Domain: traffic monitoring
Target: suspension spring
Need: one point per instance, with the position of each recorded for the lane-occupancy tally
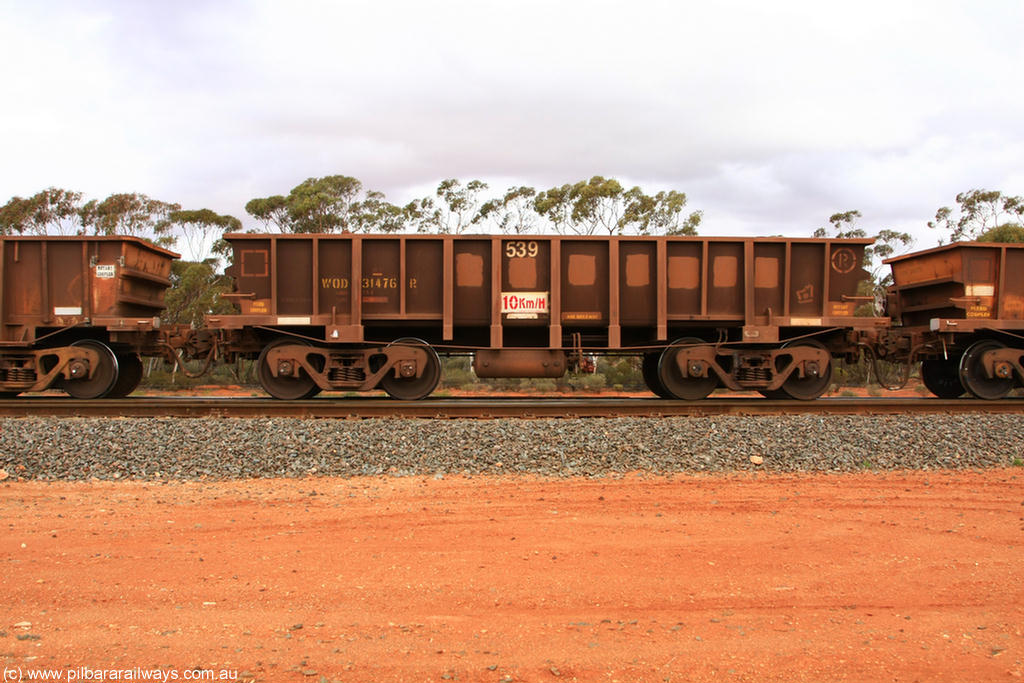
(750, 375)
(346, 374)
(18, 375)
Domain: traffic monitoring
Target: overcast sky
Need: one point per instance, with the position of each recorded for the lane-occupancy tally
(769, 115)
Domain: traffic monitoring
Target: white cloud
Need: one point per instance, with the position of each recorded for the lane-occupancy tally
(770, 116)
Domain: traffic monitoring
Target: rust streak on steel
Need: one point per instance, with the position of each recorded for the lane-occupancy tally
(492, 408)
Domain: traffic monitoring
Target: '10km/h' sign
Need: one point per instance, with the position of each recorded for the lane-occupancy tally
(524, 304)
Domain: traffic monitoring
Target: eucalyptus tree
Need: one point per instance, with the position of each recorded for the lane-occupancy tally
(602, 205)
(976, 212)
(452, 210)
(335, 203)
(200, 231)
(53, 211)
(514, 212)
(130, 214)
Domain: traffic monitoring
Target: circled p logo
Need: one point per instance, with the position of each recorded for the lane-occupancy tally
(843, 260)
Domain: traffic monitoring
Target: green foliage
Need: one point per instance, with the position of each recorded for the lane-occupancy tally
(621, 372)
(842, 226)
(162, 375)
(1008, 233)
(55, 211)
(856, 374)
(598, 205)
(456, 372)
(374, 214)
(661, 214)
(51, 211)
(602, 205)
(456, 208)
(595, 381)
(128, 214)
(328, 204)
(201, 228)
(195, 291)
(15, 216)
(540, 385)
(861, 373)
(978, 211)
(322, 204)
(513, 213)
(272, 211)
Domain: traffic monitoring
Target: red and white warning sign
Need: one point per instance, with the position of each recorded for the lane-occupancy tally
(524, 304)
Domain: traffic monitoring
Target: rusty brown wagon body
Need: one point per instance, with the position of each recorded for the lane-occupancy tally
(357, 312)
(361, 312)
(76, 312)
(961, 308)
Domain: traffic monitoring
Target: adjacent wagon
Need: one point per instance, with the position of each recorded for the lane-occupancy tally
(961, 308)
(76, 313)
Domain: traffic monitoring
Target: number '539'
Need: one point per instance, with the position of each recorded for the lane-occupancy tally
(521, 249)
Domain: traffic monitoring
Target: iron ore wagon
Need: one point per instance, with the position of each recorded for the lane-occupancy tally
(360, 312)
(961, 308)
(76, 313)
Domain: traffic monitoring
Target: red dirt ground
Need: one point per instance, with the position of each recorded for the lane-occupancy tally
(867, 577)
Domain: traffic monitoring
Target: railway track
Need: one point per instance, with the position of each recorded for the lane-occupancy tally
(490, 408)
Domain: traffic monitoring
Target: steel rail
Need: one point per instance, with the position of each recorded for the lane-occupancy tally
(490, 408)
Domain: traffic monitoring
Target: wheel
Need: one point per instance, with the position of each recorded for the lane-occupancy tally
(681, 385)
(286, 388)
(972, 373)
(942, 377)
(103, 378)
(810, 386)
(649, 370)
(413, 388)
(129, 375)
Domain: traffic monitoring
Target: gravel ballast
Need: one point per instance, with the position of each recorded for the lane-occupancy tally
(214, 448)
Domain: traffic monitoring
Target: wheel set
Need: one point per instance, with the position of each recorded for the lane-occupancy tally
(290, 377)
(974, 376)
(694, 378)
(966, 373)
(115, 375)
